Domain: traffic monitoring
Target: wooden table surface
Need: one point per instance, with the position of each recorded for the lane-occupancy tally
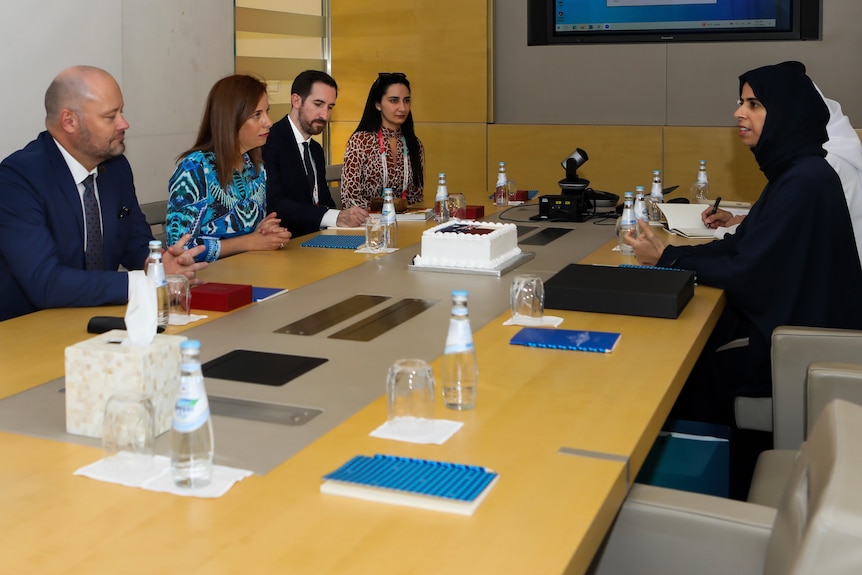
(547, 514)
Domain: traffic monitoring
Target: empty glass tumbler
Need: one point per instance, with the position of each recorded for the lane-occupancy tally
(410, 396)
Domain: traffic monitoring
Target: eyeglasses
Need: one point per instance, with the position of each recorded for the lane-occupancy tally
(396, 74)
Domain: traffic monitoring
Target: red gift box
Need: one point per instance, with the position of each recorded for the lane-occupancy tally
(220, 297)
(475, 212)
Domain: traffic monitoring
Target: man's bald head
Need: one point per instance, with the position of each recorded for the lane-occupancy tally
(84, 113)
(70, 88)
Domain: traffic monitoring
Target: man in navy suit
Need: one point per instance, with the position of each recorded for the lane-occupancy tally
(43, 235)
(296, 188)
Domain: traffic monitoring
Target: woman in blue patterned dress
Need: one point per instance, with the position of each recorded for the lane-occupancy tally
(218, 192)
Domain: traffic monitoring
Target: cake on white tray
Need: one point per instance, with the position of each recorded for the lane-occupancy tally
(468, 244)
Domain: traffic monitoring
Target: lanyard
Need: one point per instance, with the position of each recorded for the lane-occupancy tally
(314, 194)
(382, 144)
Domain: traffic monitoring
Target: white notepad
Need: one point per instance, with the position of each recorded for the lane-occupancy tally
(684, 220)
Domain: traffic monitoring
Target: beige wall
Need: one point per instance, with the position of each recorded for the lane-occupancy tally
(165, 55)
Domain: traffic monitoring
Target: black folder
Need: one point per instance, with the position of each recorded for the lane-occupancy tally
(627, 290)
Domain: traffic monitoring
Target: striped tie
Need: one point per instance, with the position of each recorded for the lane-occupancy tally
(94, 256)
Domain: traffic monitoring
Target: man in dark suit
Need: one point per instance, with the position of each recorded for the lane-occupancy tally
(296, 187)
(68, 197)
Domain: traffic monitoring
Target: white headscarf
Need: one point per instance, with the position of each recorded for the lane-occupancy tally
(844, 154)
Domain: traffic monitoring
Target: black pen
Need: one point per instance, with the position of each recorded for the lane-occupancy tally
(714, 209)
(715, 206)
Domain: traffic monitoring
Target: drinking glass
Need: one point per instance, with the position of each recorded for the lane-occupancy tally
(128, 433)
(410, 395)
(457, 206)
(513, 191)
(375, 233)
(527, 299)
(180, 297)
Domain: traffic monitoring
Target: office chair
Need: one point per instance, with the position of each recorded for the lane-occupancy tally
(793, 350)
(817, 527)
(333, 180)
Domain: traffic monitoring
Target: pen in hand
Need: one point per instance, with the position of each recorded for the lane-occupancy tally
(714, 207)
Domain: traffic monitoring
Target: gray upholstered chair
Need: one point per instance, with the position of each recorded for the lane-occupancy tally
(787, 411)
(333, 180)
(817, 527)
(156, 215)
(824, 383)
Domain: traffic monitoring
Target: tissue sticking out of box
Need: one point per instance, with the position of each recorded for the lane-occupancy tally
(141, 313)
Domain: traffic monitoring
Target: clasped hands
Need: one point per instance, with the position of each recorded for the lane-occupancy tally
(271, 235)
(178, 260)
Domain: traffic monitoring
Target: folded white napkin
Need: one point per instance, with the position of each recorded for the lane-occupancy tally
(364, 250)
(176, 319)
(524, 320)
(158, 478)
(438, 432)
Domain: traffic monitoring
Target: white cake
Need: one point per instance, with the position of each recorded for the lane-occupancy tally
(468, 244)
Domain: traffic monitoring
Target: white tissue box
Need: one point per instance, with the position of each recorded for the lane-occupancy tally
(98, 367)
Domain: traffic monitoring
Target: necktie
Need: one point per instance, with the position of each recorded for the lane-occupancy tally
(309, 169)
(94, 256)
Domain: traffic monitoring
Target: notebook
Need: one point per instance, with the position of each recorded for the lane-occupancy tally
(684, 220)
(421, 483)
(259, 293)
(597, 341)
(344, 242)
(415, 215)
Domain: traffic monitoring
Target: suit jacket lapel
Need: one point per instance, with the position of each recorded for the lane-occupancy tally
(69, 197)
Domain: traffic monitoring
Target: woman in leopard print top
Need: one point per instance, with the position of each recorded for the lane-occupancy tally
(384, 151)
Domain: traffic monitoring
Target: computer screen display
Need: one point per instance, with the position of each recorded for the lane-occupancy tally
(586, 21)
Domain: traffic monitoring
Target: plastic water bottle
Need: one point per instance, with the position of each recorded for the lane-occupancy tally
(501, 190)
(441, 200)
(700, 187)
(156, 275)
(640, 204)
(192, 431)
(627, 222)
(656, 197)
(460, 372)
(388, 219)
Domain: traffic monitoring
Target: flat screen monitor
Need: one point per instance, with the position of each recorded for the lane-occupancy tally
(622, 21)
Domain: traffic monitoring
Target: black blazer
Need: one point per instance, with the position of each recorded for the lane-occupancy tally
(287, 190)
(42, 232)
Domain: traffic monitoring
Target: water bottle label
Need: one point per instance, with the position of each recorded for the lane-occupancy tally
(156, 273)
(192, 408)
(458, 347)
(459, 338)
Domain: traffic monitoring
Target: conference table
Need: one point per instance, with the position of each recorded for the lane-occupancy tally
(566, 431)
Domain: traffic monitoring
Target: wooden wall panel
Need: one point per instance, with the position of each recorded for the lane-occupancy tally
(620, 157)
(442, 46)
(733, 172)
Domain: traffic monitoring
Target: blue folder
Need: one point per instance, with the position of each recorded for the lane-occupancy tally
(597, 341)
